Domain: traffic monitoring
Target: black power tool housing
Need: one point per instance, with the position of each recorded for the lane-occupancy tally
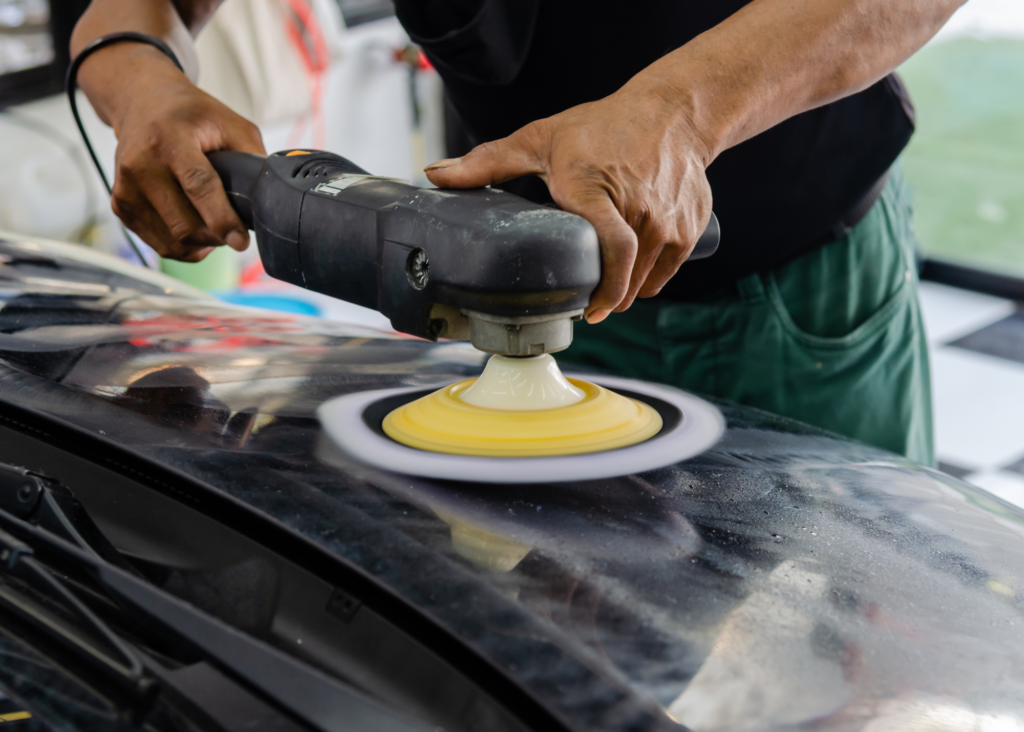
(483, 265)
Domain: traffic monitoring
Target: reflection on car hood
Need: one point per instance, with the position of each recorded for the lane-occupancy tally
(787, 579)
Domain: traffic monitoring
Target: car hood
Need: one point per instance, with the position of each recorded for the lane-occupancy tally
(785, 579)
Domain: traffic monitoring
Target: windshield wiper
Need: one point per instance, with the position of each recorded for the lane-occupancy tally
(98, 647)
(304, 693)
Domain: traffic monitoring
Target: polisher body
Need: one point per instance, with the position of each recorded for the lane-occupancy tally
(481, 265)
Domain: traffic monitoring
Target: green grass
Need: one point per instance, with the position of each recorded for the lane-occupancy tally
(965, 163)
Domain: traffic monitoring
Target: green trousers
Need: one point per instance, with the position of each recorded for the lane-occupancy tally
(834, 339)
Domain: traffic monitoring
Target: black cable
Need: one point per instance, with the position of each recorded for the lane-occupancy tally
(71, 83)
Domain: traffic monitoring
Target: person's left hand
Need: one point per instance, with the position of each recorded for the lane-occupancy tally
(631, 164)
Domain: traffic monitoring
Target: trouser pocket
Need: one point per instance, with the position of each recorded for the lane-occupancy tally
(863, 371)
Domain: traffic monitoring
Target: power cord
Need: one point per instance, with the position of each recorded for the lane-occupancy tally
(71, 84)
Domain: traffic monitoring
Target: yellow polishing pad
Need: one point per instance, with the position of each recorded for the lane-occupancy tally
(601, 420)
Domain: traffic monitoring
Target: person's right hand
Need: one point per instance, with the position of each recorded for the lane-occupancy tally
(165, 189)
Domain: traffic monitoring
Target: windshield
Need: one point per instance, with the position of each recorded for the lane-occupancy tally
(786, 579)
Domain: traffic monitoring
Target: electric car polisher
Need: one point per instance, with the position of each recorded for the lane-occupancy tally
(484, 265)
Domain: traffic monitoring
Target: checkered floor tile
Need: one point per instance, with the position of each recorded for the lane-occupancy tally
(977, 350)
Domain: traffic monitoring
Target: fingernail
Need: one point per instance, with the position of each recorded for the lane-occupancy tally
(597, 316)
(237, 240)
(446, 163)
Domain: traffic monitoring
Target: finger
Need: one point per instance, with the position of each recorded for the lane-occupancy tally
(186, 227)
(144, 186)
(652, 242)
(131, 207)
(141, 218)
(673, 255)
(670, 259)
(492, 162)
(205, 192)
(618, 252)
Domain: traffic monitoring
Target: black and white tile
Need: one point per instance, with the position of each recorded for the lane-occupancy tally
(977, 351)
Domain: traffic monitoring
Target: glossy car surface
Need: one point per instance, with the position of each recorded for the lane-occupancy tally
(786, 579)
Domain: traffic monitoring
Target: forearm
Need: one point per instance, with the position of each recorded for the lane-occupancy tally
(107, 76)
(777, 58)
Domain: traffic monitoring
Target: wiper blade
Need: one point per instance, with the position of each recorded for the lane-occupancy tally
(113, 660)
(301, 691)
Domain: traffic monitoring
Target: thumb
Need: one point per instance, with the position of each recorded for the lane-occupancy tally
(492, 162)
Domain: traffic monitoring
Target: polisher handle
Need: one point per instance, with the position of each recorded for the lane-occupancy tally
(708, 242)
(238, 172)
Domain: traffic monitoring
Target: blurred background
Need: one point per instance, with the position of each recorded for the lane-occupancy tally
(340, 75)
(966, 159)
(329, 74)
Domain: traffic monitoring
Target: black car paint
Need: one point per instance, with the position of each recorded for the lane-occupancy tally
(842, 586)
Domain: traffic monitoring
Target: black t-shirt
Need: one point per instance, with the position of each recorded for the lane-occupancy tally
(506, 63)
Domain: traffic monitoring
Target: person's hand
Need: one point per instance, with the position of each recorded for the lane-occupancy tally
(629, 164)
(165, 189)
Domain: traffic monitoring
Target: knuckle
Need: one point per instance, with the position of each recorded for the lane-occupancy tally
(129, 166)
(154, 136)
(252, 131)
(675, 253)
(196, 180)
(534, 135)
(540, 127)
(183, 234)
(121, 206)
(643, 212)
(671, 245)
(486, 149)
